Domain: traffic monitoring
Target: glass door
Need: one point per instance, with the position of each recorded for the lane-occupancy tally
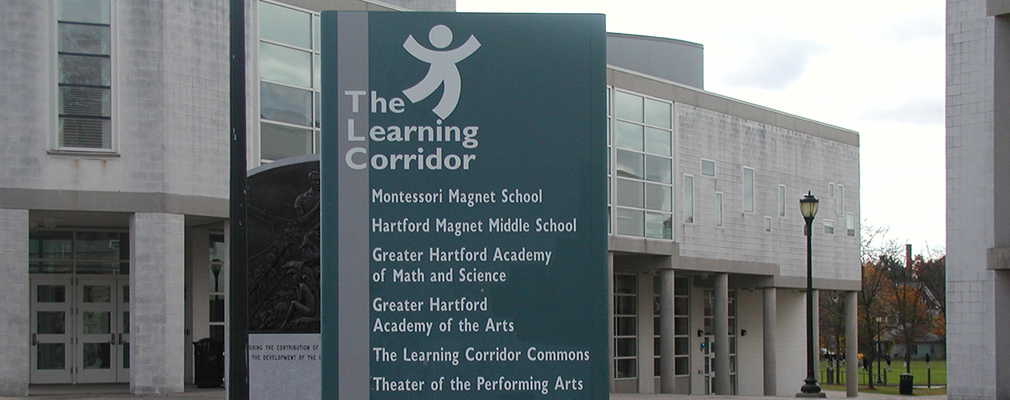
(123, 330)
(96, 340)
(51, 328)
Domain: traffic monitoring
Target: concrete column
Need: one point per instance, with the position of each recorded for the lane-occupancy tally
(15, 329)
(157, 323)
(817, 336)
(851, 343)
(721, 385)
(667, 359)
(770, 321)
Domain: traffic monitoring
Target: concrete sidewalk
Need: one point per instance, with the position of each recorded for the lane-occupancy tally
(122, 392)
(112, 392)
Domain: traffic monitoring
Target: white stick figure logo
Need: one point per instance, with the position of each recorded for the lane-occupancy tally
(443, 70)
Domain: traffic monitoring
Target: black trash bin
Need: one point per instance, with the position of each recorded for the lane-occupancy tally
(208, 360)
(905, 384)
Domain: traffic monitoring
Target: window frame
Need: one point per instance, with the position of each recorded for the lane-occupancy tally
(850, 224)
(782, 201)
(753, 188)
(632, 337)
(719, 218)
(714, 172)
(56, 145)
(644, 214)
(689, 214)
(840, 200)
(313, 129)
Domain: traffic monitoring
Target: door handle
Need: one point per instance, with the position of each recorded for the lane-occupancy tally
(35, 339)
(120, 338)
(113, 340)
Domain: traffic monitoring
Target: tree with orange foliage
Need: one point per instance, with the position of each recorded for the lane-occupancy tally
(877, 254)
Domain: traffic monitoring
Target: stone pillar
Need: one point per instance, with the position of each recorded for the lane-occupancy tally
(721, 327)
(157, 309)
(15, 329)
(667, 359)
(770, 321)
(851, 344)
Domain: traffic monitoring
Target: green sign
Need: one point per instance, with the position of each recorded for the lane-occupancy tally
(464, 206)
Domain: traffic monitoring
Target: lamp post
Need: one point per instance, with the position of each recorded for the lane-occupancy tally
(215, 268)
(808, 207)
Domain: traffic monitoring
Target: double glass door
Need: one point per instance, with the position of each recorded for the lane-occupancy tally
(80, 329)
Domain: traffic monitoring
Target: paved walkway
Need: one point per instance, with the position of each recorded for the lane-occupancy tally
(121, 392)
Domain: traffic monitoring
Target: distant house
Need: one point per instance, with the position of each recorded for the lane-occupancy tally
(928, 343)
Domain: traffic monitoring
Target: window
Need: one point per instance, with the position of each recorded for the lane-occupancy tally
(688, 198)
(768, 224)
(681, 327)
(84, 67)
(718, 209)
(641, 173)
(850, 224)
(829, 227)
(707, 167)
(831, 190)
(289, 81)
(782, 200)
(218, 250)
(625, 326)
(748, 189)
(840, 201)
(79, 252)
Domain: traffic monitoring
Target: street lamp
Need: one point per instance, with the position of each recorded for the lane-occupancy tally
(215, 267)
(808, 207)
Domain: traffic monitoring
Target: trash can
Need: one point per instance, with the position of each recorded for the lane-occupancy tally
(830, 376)
(905, 384)
(208, 360)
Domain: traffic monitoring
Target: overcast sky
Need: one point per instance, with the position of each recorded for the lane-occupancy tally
(875, 67)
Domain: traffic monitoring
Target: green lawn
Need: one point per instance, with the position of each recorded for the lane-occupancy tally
(937, 375)
(890, 390)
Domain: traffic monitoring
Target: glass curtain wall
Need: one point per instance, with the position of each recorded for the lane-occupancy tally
(625, 326)
(289, 81)
(681, 326)
(641, 155)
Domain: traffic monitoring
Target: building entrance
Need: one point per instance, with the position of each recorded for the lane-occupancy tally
(80, 329)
